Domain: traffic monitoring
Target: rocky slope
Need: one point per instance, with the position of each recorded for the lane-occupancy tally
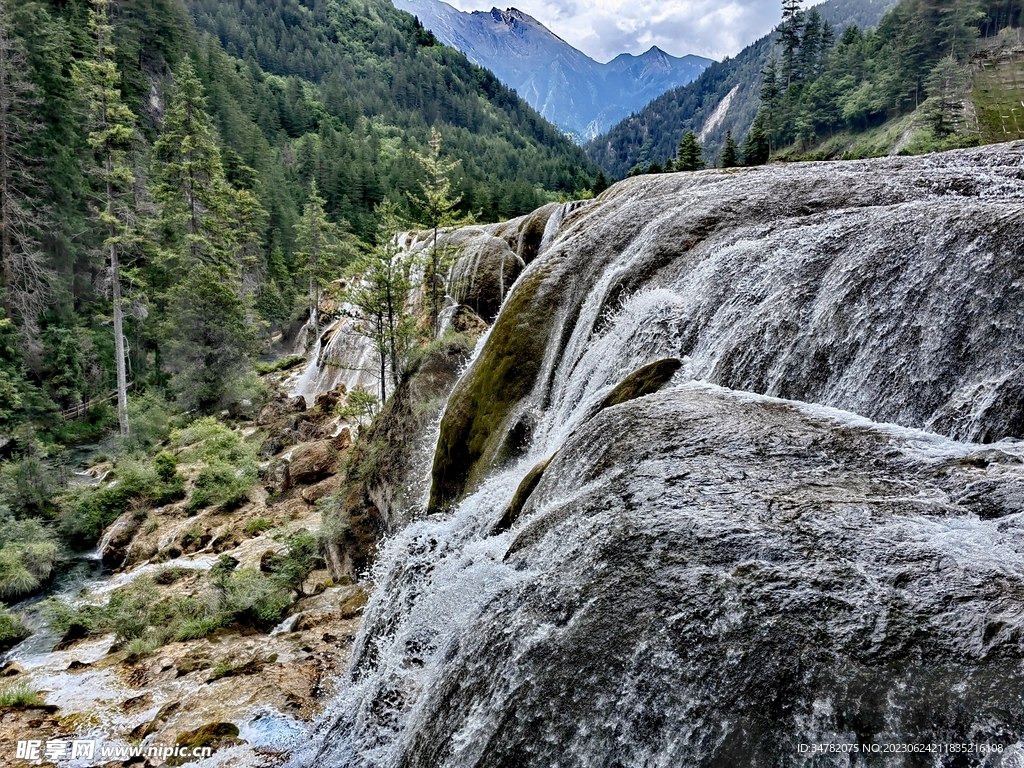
(244, 691)
(605, 548)
(565, 85)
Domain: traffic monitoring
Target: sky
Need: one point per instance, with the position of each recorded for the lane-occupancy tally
(602, 29)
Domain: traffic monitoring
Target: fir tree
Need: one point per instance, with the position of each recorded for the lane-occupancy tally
(111, 136)
(690, 156)
(790, 33)
(196, 199)
(770, 92)
(24, 273)
(438, 204)
(730, 155)
(321, 246)
(208, 341)
(757, 147)
(381, 285)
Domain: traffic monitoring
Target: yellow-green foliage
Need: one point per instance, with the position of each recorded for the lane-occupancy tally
(19, 695)
(998, 97)
(27, 555)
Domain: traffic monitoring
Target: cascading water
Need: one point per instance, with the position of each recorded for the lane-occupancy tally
(706, 576)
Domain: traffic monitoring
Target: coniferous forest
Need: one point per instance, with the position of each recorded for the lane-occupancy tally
(178, 181)
(168, 152)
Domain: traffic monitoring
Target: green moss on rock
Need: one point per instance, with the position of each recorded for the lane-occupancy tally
(642, 381)
(522, 495)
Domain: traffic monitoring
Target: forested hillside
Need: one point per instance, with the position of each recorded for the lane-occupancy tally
(919, 59)
(654, 132)
(177, 182)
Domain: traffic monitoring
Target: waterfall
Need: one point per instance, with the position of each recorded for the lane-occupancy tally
(769, 552)
(346, 357)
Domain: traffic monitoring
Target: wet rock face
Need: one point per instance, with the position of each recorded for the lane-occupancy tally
(730, 577)
(893, 288)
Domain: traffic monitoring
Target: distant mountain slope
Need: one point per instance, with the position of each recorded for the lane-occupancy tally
(565, 85)
(654, 132)
(381, 83)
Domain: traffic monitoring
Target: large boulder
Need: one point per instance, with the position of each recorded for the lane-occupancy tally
(313, 462)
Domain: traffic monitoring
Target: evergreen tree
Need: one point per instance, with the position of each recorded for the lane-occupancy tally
(381, 285)
(947, 84)
(438, 205)
(810, 45)
(790, 33)
(24, 273)
(757, 147)
(208, 341)
(690, 156)
(111, 136)
(730, 155)
(770, 92)
(601, 184)
(321, 248)
(196, 198)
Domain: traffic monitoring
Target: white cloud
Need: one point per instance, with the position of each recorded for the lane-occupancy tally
(605, 28)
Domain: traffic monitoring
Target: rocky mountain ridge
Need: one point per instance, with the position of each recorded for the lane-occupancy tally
(580, 95)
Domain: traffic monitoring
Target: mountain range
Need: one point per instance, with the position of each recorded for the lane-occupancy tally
(581, 96)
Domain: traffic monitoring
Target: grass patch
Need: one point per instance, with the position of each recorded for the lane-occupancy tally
(284, 364)
(19, 695)
(258, 525)
(142, 620)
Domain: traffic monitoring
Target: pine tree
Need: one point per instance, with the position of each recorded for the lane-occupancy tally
(197, 200)
(756, 147)
(810, 45)
(790, 33)
(690, 156)
(438, 206)
(320, 246)
(730, 154)
(24, 273)
(381, 285)
(208, 341)
(111, 136)
(770, 92)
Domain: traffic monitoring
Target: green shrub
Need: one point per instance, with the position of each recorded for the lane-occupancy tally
(12, 629)
(19, 695)
(258, 525)
(166, 466)
(148, 417)
(27, 556)
(253, 599)
(85, 512)
(130, 610)
(221, 484)
(210, 441)
(284, 364)
(171, 574)
(28, 486)
(301, 558)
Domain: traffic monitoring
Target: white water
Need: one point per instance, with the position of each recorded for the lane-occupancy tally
(710, 577)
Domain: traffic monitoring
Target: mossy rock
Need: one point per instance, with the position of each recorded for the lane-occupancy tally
(522, 495)
(482, 404)
(207, 735)
(642, 381)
